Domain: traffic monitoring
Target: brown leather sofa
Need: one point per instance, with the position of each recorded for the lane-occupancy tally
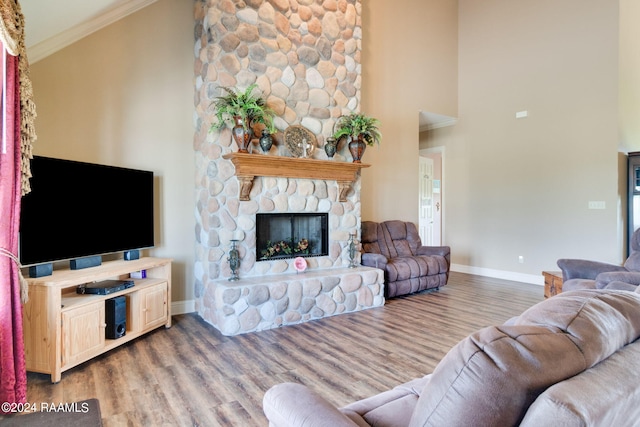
(571, 360)
(395, 248)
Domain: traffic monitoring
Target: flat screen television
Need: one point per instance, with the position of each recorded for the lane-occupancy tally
(78, 209)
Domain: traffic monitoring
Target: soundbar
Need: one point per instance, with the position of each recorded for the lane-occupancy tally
(86, 262)
(105, 287)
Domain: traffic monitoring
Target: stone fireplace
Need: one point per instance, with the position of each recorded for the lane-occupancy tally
(304, 56)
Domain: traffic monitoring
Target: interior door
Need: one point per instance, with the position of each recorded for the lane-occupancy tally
(426, 205)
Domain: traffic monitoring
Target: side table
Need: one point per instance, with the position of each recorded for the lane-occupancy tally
(552, 283)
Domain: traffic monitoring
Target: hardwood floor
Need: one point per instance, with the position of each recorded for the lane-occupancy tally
(191, 375)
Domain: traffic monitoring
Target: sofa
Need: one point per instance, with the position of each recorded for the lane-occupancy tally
(571, 360)
(395, 248)
(586, 274)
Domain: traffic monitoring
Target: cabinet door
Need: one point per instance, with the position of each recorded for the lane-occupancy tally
(154, 306)
(83, 331)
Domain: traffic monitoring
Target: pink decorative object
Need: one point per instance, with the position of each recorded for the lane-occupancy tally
(300, 264)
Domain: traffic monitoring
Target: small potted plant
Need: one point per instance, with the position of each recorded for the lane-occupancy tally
(361, 130)
(241, 110)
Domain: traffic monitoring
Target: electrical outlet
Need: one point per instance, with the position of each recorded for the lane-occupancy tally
(597, 205)
(521, 259)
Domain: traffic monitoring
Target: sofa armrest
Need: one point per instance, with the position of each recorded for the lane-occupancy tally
(434, 250)
(584, 269)
(294, 405)
(374, 260)
(607, 277)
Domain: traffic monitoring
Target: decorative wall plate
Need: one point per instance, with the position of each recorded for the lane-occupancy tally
(296, 137)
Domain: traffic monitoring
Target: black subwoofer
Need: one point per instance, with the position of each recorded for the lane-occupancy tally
(116, 317)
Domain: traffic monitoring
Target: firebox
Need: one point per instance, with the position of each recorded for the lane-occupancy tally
(290, 235)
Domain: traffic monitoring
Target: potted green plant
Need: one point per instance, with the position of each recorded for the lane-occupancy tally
(361, 130)
(241, 110)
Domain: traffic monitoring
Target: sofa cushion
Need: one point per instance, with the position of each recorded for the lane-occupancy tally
(493, 376)
(402, 238)
(630, 277)
(622, 286)
(599, 322)
(578, 284)
(371, 237)
(403, 268)
(573, 402)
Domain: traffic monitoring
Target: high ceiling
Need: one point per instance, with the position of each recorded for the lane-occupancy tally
(54, 24)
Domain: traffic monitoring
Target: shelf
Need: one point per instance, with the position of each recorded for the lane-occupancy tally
(66, 277)
(71, 299)
(248, 166)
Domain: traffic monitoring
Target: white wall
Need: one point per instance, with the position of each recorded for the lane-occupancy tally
(409, 63)
(513, 187)
(124, 96)
(521, 187)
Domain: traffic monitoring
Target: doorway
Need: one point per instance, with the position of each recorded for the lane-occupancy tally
(430, 203)
(435, 132)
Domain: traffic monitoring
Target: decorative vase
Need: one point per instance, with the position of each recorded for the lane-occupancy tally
(352, 250)
(234, 261)
(240, 135)
(357, 147)
(330, 147)
(266, 141)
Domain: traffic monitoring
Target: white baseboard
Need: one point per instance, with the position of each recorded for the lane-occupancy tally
(183, 307)
(499, 274)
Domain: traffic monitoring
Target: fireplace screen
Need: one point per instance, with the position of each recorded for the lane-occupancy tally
(290, 235)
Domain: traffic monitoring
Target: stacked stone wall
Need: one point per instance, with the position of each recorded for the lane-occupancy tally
(304, 56)
(252, 305)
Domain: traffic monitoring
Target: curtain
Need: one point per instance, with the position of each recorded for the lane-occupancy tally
(18, 134)
(13, 386)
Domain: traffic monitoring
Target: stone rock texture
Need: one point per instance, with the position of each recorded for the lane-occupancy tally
(292, 298)
(304, 56)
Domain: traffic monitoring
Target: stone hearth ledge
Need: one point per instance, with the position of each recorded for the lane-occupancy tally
(264, 302)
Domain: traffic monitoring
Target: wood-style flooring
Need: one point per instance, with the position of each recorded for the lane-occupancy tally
(191, 375)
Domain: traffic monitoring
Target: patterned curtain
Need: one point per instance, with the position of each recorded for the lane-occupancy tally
(18, 114)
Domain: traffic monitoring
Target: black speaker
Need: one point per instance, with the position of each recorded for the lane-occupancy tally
(116, 317)
(41, 270)
(131, 255)
(86, 262)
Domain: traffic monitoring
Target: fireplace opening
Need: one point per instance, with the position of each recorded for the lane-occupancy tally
(290, 235)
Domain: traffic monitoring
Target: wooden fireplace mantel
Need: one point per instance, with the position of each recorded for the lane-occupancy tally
(248, 166)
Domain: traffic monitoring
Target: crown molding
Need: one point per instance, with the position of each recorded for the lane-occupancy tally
(441, 124)
(60, 41)
(429, 121)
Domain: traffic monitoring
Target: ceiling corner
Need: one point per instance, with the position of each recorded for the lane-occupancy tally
(93, 17)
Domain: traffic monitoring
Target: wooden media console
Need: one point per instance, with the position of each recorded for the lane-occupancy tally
(63, 328)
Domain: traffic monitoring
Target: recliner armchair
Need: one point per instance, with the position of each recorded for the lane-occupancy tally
(396, 248)
(585, 274)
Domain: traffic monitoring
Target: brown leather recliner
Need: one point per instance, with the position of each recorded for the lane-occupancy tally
(396, 248)
(586, 274)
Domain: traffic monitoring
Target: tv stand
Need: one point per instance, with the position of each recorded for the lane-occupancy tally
(63, 329)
